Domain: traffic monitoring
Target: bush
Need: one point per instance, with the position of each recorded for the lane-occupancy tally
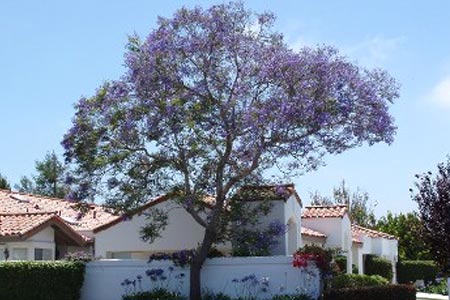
(210, 295)
(320, 256)
(341, 262)
(378, 266)
(436, 288)
(292, 297)
(355, 280)
(41, 280)
(159, 294)
(386, 292)
(412, 270)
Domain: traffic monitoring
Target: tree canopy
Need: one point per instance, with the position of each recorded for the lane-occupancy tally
(49, 180)
(409, 228)
(432, 194)
(361, 209)
(4, 183)
(212, 98)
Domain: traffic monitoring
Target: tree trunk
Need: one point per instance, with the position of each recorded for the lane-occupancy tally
(195, 292)
(195, 289)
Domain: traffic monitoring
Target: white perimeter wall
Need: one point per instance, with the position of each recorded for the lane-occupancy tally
(103, 278)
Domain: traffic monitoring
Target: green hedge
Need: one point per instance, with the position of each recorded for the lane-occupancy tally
(355, 280)
(412, 270)
(375, 265)
(386, 292)
(41, 280)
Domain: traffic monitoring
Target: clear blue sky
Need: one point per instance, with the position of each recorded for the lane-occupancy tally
(53, 52)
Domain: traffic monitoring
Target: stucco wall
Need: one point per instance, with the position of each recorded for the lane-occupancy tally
(311, 240)
(332, 227)
(42, 240)
(182, 232)
(102, 281)
(293, 212)
(289, 213)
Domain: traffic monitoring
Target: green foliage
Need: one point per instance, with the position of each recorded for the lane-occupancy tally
(4, 184)
(41, 280)
(220, 296)
(157, 220)
(292, 297)
(341, 263)
(409, 228)
(385, 292)
(322, 257)
(214, 252)
(355, 280)
(49, 180)
(436, 288)
(155, 294)
(375, 265)
(433, 198)
(412, 270)
(361, 208)
(210, 295)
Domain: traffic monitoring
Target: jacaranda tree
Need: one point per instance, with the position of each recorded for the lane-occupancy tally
(212, 98)
(432, 194)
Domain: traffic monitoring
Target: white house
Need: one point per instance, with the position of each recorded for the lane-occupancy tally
(331, 227)
(183, 232)
(42, 228)
(37, 228)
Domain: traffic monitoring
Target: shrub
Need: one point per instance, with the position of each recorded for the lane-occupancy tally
(160, 294)
(385, 292)
(41, 280)
(355, 280)
(341, 262)
(378, 266)
(320, 256)
(210, 295)
(436, 288)
(214, 252)
(292, 297)
(412, 270)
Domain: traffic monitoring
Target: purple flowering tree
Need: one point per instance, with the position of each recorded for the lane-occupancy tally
(433, 198)
(211, 98)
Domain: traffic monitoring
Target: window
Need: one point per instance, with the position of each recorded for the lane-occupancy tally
(19, 254)
(43, 254)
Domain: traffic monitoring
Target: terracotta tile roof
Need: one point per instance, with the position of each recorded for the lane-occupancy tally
(95, 215)
(324, 211)
(310, 232)
(20, 226)
(269, 192)
(358, 231)
(356, 241)
(117, 219)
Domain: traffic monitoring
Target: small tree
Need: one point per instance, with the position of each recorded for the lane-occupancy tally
(210, 100)
(49, 180)
(4, 184)
(360, 206)
(409, 228)
(433, 197)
